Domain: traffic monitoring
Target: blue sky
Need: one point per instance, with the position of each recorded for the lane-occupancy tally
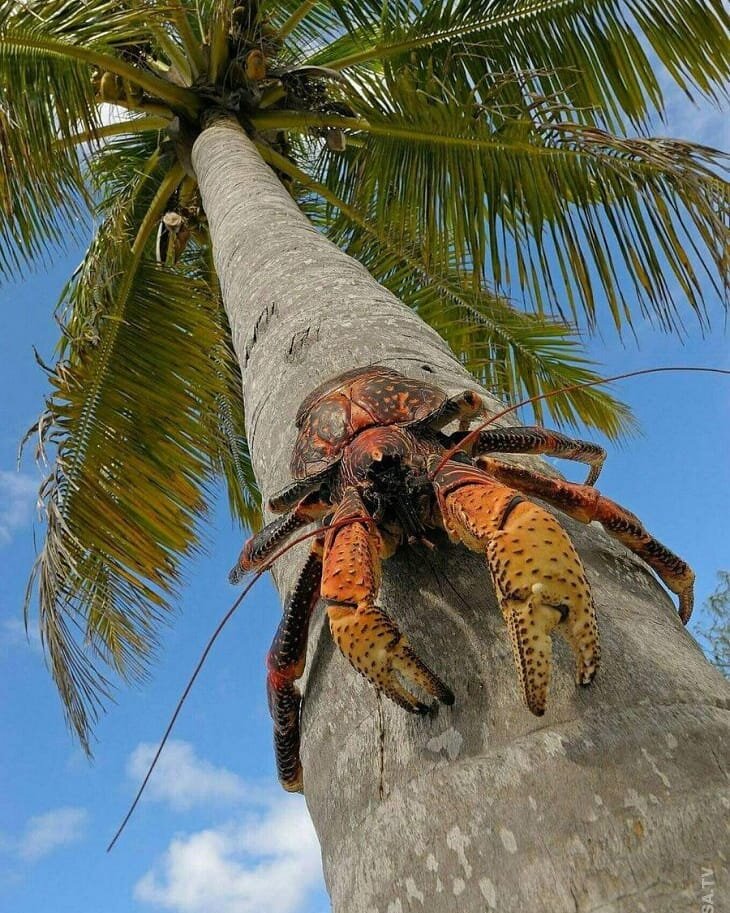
(215, 832)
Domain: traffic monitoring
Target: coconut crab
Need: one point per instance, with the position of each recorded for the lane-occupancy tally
(370, 450)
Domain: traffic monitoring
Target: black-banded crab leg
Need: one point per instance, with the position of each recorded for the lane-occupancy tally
(364, 633)
(259, 548)
(538, 441)
(538, 577)
(568, 388)
(285, 664)
(465, 406)
(299, 488)
(586, 504)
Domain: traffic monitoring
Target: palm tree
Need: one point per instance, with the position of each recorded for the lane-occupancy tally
(451, 151)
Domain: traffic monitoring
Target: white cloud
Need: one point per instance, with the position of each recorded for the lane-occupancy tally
(52, 830)
(182, 778)
(17, 496)
(270, 864)
(13, 634)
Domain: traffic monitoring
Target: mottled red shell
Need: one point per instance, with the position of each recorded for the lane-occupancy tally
(330, 417)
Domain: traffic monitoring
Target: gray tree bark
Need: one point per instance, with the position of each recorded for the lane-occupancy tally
(612, 802)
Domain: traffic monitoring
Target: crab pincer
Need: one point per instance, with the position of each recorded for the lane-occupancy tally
(539, 578)
(369, 639)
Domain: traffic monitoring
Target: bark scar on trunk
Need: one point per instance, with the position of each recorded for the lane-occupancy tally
(262, 322)
(381, 747)
(302, 339)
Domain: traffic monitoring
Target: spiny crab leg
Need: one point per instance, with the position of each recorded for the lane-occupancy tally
(539, 579)
(259, 548)
(285, 664)
(587, 504)
(465, 406)
(298, 489)
(539, 441)
(364, 633)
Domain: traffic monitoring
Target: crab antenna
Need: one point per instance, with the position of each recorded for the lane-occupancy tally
(569, 388)
(204, 655)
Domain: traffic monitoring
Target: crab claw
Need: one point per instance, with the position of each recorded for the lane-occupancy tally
(380, 652)
(542, 588)
(530, 623)
(539, 579)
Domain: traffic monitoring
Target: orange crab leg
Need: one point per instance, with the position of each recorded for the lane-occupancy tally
(364, 633)
(285, 664)
(539, 440)
(587, 504)
(539, 579)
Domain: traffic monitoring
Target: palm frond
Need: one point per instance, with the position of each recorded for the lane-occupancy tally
(180, 17)
(219, 25)
(42, 196)
(124, 175)
(111, 23)
(48, 102)
(589, 55)
(307, 27)
(141, 419)
(553, 201)
(138, 124)
(130, 417)
(115, 38)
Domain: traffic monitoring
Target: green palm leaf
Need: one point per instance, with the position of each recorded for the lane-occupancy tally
(544, 201)
(130, 417)
(125, 422)
(46, 94)
(41, 196)
(144, 414)
(585, 54)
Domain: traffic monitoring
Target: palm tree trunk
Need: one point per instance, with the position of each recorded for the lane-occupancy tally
(611, 801)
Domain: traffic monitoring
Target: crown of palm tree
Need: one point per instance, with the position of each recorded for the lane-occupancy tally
(456, 148)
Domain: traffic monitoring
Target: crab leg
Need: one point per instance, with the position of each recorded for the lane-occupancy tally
(539, 440)
(465, 406)
(587, 504)
(296, 490)
(259, 548)
(363, 632)
(538, 576)
(285, 664)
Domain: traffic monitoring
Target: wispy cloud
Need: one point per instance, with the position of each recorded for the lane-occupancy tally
(46, 833)
(13, 634)
(17, 497)
(268, 864)
(182, 778)
(701, 122)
